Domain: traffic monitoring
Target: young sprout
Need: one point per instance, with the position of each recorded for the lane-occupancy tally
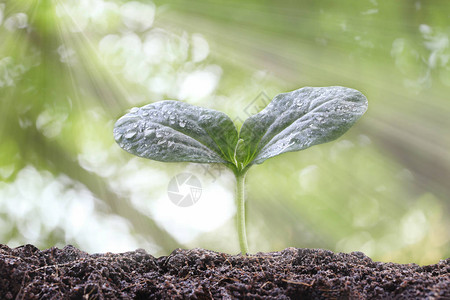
(173, 131)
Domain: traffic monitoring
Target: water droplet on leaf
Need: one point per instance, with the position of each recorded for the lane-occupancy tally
(149, 131)
(117, 136)
(130, 134)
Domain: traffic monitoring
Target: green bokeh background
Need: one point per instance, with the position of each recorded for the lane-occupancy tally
(69, 69)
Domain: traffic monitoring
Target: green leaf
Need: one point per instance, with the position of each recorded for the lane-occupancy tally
(297, 120)
(173, 131)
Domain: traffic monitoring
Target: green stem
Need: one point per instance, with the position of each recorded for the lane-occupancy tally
(240, 202)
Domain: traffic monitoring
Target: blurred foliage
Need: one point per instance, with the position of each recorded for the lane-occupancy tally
(69, 69)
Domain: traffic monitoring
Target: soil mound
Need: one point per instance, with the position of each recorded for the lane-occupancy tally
(29, 273)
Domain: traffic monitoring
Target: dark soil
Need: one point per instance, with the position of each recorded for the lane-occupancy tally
(29, 273)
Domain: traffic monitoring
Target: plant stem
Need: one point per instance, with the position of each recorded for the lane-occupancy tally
(240, 202)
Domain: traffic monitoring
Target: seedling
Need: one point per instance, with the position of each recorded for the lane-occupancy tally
(173, 131)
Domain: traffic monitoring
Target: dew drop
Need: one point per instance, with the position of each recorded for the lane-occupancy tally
(149, 131)
(126, 120)
(182, 124)
(130, 134)
(134, 109)
(118, 136)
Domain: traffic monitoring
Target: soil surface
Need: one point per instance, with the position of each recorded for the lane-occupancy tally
(29, 273)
